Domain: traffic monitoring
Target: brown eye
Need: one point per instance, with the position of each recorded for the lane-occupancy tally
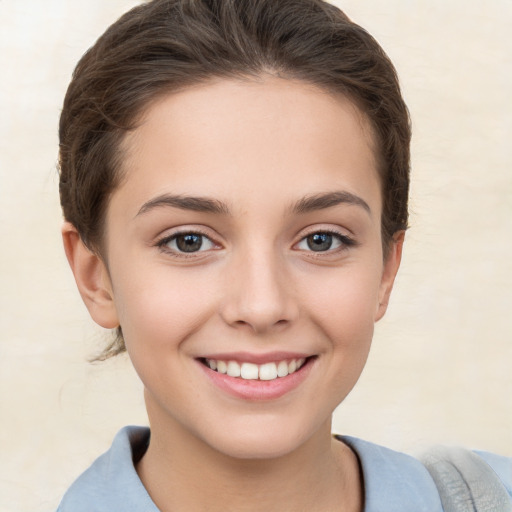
(189, 243)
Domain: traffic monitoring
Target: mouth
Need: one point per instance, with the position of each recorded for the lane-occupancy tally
(245, 370)
(257, 377)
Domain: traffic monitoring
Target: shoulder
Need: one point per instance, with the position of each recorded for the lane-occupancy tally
(111, 484)
(502, 466)
(393, 481)
(397, 482)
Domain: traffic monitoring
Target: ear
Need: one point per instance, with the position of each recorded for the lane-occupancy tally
(391, 265)
(91, 277)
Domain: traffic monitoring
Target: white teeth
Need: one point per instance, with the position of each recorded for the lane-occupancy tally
(268, 371)
(233, 369)
(250, 371)
(282, 369)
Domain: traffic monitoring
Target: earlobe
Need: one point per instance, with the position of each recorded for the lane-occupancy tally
(91, 277)
(391, 265)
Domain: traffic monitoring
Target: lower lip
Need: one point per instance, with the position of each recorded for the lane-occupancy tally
(258, 389)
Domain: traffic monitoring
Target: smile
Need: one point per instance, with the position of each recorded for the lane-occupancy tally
(251, 371)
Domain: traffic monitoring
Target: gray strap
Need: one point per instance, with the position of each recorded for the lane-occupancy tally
(466, 483)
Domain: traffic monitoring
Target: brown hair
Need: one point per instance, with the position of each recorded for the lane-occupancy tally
(165, 45)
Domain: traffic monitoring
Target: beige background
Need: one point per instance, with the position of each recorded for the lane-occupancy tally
(440, 366)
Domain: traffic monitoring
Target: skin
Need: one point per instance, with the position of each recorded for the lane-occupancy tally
(259, 147)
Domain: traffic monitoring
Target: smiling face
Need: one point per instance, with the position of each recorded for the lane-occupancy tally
(245, 262)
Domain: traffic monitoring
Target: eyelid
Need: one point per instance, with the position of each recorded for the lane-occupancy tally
(346, 241)
(162, 241)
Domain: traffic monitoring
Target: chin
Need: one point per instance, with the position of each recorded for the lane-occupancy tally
(259, 441)
(257, 447)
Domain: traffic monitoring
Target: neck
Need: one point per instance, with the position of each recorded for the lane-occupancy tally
(182, 473)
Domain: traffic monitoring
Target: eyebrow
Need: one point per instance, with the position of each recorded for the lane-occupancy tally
(306, 204)
(328, 200)
(196, 204)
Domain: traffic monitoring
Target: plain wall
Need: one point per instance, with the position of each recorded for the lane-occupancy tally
(440, 366)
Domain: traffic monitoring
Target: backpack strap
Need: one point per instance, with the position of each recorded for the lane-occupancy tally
(466, 483)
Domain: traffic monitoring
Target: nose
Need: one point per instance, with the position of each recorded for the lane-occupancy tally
(259, 294)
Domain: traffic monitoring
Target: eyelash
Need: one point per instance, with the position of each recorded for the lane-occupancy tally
(163, 244)
(345, 241)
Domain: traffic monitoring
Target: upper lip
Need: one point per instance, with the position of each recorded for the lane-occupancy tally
(251, 357)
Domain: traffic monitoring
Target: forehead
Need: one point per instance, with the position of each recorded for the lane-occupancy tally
(245, 137)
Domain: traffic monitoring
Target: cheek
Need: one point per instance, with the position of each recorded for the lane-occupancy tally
(160, 308)
(345, 303)
(344, 309)
(158, 314)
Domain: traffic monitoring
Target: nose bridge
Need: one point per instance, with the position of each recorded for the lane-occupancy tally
(259, 291)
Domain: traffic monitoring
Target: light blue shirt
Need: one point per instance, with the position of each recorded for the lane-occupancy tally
(393, 482)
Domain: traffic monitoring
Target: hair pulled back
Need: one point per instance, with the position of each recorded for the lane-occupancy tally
(166, 45)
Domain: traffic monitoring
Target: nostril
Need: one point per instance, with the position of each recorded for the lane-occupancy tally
(261, 325)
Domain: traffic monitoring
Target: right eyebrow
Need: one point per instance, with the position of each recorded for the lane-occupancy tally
(193, 203)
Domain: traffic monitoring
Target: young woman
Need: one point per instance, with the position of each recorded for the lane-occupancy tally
(234, 179)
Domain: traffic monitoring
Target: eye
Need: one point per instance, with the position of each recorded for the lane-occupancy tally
(187, 243)
(323, 241)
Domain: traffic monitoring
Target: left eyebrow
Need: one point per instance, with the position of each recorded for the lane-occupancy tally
(322, 201)
(192, 203)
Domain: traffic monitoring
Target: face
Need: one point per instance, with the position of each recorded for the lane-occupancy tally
(245, 261)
